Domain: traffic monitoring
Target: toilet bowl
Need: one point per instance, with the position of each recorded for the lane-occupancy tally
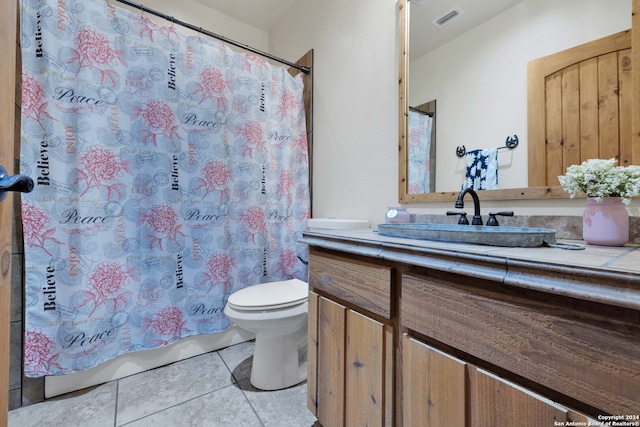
(277, 313)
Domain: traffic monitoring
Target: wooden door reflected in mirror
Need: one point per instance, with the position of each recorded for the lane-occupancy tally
(580, 107)
(421, 150)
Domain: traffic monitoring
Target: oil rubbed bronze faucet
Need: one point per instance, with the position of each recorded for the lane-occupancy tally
(477, 218)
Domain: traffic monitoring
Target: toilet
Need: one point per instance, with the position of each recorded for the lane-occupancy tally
(277, 313)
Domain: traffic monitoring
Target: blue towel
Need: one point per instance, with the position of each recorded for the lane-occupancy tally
(482, 169)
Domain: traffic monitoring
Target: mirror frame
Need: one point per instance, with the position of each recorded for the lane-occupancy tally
(525, 193)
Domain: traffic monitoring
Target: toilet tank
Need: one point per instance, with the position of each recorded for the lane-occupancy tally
(326, 224)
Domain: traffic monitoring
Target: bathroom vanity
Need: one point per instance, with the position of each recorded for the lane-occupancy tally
(408, 332)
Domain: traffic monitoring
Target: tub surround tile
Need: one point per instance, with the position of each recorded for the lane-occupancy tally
(16, 288)
(151, 391)
(15, 356)
(15, 399)
(32, 390)
(16, 219)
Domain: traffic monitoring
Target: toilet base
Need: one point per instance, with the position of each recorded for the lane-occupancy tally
(279, 361)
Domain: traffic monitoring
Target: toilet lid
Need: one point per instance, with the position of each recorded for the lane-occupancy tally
(270, 295)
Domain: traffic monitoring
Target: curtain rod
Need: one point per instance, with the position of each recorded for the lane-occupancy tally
(417, 110)
(210, 34)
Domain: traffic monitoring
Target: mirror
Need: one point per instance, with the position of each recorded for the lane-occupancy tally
(476, 67)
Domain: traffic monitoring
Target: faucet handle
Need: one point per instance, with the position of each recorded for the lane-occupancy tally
(492, 221)
(463, 217)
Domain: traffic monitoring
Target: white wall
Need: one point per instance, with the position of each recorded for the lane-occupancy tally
(355, 173)
(479, 79)
(355, 93)
(209, 19)
(356, 101)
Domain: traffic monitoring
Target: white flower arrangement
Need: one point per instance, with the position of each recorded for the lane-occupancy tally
(600, 178)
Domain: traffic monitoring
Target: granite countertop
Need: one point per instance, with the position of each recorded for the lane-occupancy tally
(598, 273)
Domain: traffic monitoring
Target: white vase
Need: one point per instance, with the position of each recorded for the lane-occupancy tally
(605, 222)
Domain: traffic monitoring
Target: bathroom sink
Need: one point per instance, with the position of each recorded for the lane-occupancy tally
(476, 234)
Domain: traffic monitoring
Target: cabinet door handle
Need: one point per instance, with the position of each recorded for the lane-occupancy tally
(21, 183)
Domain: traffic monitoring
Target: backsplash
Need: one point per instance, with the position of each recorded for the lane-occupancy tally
(567, 227)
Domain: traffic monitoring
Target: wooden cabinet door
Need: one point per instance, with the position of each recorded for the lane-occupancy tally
(441, 390)
(350, 377)
(367, 394)
(495, 402)
(331, 361)
(312, 354)
(433, 386)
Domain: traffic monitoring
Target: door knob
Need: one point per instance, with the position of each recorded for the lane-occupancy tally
(21, 183)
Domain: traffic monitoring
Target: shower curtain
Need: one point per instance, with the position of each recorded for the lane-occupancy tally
(419, 164)
(170, 172)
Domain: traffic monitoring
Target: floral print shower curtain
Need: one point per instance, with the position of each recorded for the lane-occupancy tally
(419, 159)
(170, 171)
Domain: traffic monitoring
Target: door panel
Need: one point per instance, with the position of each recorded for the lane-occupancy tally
(331, 363)
(434, 387)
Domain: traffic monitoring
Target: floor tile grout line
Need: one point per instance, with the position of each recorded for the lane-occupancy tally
(217, 352)
(237, 383)
(180, 404)
(233, 376)
(237, 379)
(249, 402)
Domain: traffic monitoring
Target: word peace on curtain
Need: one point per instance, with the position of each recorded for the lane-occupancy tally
(170, 172)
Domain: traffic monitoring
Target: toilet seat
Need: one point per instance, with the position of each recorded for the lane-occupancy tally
(270, 296)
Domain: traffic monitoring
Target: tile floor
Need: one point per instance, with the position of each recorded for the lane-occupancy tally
(208, 390)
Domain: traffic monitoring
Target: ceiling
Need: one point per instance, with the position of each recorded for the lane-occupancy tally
(262, 14)
(424, 36)
(265, 15)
